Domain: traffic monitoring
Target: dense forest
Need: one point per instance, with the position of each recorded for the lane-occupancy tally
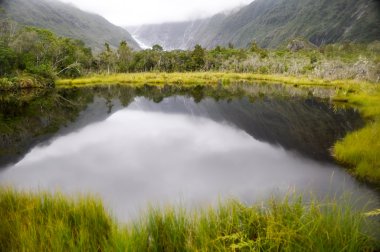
(35, 57)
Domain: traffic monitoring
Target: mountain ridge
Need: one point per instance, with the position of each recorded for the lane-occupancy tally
(271, 23)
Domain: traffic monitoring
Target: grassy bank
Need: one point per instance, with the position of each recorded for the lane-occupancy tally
(42, 222)
(359, 150)
(194, 78)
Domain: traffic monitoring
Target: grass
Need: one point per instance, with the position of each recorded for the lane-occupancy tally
(45, 222)
(194, 78)
(361, 149)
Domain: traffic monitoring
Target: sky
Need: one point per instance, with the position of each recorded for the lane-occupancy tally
(137, 12)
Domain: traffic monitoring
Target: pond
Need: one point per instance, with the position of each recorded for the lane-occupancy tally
(171, 145)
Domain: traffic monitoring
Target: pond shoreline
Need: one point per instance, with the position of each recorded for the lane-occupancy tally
(358, 150)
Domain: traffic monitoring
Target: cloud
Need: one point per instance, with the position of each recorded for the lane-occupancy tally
(135, 12)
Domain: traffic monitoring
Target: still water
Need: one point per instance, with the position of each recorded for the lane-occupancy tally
(181, 149)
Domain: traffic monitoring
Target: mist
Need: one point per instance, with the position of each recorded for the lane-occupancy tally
(129, 13)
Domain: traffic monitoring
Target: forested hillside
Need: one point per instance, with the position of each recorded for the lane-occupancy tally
(67, 20)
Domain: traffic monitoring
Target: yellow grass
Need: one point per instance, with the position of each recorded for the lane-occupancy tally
(196, 78)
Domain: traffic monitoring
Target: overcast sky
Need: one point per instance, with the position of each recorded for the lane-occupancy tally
(135, 12)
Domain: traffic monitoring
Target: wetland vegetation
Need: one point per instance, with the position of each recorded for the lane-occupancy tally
(47, 222)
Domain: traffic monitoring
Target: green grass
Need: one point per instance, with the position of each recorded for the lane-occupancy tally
(361, 149)
(45, 222)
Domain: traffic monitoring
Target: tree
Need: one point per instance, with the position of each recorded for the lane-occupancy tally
(157, 48)
(157, 52)
(124, 56)
(35, 49)
(255, 48)
(72, 57)
(107, 58)
(198, 58)
(7, 59)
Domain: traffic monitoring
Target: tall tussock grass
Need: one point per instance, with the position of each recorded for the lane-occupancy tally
(361, 149)
(45, 222)
(278, 225)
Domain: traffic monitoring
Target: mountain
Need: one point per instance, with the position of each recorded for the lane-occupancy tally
(170, 35)
(176, 35)
(271, 23)
(67, 20)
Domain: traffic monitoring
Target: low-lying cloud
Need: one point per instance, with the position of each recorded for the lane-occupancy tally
(137, 12)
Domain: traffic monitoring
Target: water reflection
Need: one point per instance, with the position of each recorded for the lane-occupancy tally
(303, 125)
(195, 152)
(284, 115)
